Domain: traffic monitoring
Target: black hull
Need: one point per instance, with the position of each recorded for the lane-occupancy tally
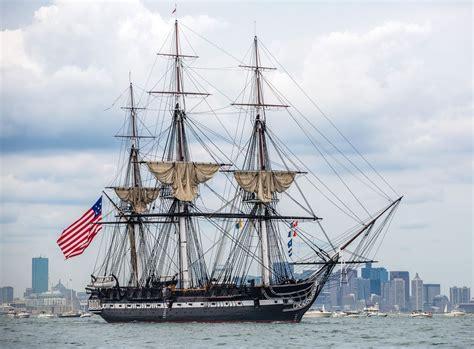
(281, 303)
(219, 303)
(268, 313)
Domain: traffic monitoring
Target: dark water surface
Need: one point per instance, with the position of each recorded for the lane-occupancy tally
(392, 331)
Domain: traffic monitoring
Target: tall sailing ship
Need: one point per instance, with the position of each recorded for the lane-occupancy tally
(157, 265)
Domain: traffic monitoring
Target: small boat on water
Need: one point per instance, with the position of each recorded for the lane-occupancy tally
(11, 313)
(45, 315)
(5, 308)
(374, 311)
(339, 314)
(23, 315)
(354, 313)
(316, 313)
(453, 313)
(69, 314)
(86, 314)
(421, 314)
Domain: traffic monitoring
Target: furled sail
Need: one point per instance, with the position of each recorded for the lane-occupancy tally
(137, 197)
(264, 183)
(183, 176)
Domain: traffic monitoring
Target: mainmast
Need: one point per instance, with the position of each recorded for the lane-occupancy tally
(263, 158)
(178, 174)
(136, 182)
(182, 155)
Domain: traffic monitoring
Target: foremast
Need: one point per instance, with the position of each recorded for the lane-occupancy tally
(257, 177)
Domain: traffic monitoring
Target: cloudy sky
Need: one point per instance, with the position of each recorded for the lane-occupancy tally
(395, 76)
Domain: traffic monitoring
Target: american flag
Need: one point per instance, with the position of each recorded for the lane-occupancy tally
(78, 236)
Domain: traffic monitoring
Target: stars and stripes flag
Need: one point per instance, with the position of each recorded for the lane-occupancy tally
(78, 236)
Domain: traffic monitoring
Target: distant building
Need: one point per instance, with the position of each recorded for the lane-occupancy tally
(458, 295)
(39, 275)
(394, 295)
(68, 294)
(324, 298)
(398, 289)
(340, 290)
(405, 276)
(377, 276)
(439, 303)
(430, 291)
(417, 293)
(361, 288)
(345, 288)
(50, 301)
(6, 294)
(28, 292)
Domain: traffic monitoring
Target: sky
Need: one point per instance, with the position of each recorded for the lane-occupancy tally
(396, 77)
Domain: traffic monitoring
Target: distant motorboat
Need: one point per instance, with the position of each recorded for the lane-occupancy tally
(69, 314)
(374, 311)
(11, 313)
(315, 313)
(5, 308)
(354, 313)
(453, 313)
(44, 315)
(86, 314)
(339, 314)
(421, 314)
(23, 315)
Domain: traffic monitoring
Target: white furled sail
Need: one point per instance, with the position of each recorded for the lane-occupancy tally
(183, 176)
(138, 197)
(265, 183)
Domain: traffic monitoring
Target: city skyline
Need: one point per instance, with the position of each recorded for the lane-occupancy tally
(371, 67)
(445, 289)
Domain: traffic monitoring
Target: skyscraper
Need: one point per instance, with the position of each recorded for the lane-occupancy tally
(459, 295)
(465, 294)
(377, 276)
(39, 274)
(398, 289)
(417, 293)
(6, 294)
(405, 276)
(430, 291)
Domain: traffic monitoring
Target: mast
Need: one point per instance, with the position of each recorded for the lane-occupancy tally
(257, 168)
(181, 156)
(136, 182)
(260, 129)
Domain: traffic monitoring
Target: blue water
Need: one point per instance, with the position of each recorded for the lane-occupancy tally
(392, 331)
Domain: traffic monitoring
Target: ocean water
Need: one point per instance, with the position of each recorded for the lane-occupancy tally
(392, 331)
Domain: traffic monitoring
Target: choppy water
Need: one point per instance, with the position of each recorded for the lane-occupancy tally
(392, 331)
